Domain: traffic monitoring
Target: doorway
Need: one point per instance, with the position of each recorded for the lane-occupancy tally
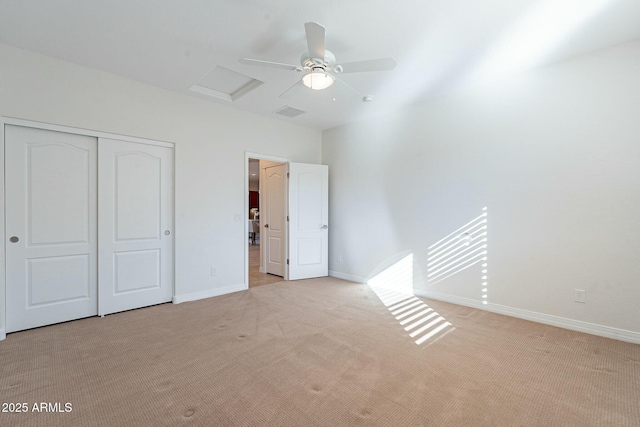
(292, 234)
(266, 221)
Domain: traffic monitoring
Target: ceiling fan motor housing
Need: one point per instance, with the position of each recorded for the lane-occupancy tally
(319, 64)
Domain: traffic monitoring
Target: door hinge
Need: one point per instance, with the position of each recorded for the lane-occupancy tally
(287, 261)
(288, 175)
(287, 217)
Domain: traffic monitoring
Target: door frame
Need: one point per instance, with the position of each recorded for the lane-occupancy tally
(67, 129)
(259, 156)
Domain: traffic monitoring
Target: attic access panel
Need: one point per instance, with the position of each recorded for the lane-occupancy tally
(225, 84)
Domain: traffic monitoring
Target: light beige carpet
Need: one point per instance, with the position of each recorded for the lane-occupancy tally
(316, 352)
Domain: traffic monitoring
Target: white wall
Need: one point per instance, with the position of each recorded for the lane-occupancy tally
(555, 156)
(210, 144)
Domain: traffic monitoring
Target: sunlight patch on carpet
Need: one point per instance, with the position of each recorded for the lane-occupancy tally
(394, 287)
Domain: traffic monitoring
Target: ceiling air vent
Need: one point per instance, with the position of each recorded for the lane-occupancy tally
(289, 111)
(225, 84)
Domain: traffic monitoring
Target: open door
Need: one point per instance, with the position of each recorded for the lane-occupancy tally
(308, 221)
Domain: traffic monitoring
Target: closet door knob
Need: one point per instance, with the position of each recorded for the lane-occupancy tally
(167, 232)
(14, 239)
(266, 226)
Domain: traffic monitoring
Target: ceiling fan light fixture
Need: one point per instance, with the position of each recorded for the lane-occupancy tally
(317, 80)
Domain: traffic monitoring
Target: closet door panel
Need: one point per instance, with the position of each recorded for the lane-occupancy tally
(136, 225)
(138, 188)
(51, 227)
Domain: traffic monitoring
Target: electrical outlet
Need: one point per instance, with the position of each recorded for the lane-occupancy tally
(339, 258)
(580, 295)
(237, 217)
(214, 271)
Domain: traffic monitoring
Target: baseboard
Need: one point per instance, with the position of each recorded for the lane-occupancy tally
(345, 276)
(3, 335)
(194, 296)
(547, 319)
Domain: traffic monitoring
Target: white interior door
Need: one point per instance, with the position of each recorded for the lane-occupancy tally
(308, 221)
(50, 227)
(272, 221)
(135, 231)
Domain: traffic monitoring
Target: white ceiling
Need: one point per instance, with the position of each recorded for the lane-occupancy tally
(440, 45)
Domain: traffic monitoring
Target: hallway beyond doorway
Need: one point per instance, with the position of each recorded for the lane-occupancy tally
(255, 277)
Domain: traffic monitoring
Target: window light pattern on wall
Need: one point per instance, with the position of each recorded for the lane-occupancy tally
(394, 287)
(460, 250)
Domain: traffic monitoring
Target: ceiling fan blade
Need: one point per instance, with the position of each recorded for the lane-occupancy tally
(315, 39)
(382, 64)
(293, 90)
(270, 64)
(344, 84)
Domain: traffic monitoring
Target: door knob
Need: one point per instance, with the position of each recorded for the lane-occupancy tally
(14, 239)
(266, 226)
(167, 232)
(324, 227)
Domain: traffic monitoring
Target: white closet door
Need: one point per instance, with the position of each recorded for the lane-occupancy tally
(50, 227)
(135, 235)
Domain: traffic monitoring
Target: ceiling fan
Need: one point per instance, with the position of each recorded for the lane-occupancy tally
(319, 64)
